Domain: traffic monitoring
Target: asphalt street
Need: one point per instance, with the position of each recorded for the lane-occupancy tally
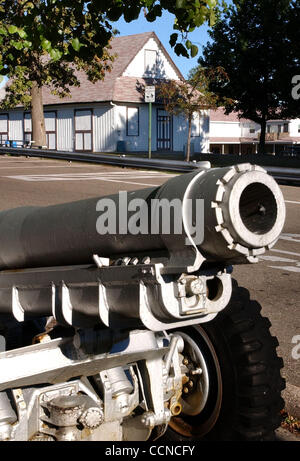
(274, 282)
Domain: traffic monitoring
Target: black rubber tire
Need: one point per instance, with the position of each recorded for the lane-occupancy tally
(250, 375)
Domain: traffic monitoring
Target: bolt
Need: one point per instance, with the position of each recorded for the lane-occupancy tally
(146, 260)
(185, 390)
(134, 261)
(195, 287)
(125, 261)
(185, 361)
(185, 379)
(191, 384)
(197, 371)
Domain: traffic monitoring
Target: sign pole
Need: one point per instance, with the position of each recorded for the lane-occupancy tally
(150, 130)
(149, 98)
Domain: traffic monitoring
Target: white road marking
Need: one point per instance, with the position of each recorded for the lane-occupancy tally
(287, 268)
(290, 237)
(87, 176)
(114, 176)
(292, 265)
(291, 201)
(285, 252)
(129, 182)
(277, 259)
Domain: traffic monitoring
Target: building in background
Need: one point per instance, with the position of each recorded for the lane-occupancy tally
(111, 115)
(230, 135)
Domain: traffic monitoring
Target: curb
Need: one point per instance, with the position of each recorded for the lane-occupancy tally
(291, 396)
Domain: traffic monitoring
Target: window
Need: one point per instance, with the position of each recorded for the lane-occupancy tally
(27, 127)
(268, 128)
(286, 128)
(298, 128)
(150, 62)
(196, 124)
(132, 121)
(252, 130)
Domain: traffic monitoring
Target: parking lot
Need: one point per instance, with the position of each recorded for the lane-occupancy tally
(274, 282)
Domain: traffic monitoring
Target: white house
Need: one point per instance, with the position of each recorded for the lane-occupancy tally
(230, 135)
(111, 114)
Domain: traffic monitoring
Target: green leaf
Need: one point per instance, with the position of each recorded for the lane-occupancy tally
(188, 44)
(17, 45)
(22, 33)
(46, 44)
(12, 29)
(27, 44)
(76, 44)
(179, 3)
(173, 39)
(55, 54)
(180, 50)
(3, 30)
(194, 51)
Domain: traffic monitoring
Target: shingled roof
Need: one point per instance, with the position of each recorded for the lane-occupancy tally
(114, 87)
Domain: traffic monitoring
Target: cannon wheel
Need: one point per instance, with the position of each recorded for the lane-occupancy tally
(238, 393)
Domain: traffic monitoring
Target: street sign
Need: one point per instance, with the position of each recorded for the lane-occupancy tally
(150, 94)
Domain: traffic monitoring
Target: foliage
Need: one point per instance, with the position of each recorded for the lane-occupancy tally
(40, 39)
(44, 42)
(258, 44)
(192, 95)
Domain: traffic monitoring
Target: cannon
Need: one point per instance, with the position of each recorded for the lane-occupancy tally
(120, 320)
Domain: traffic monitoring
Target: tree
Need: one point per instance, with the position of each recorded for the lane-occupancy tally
(257, 42)
(44, 43)
(192, 95)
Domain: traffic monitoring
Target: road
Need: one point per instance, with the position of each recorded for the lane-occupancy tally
(274, 282)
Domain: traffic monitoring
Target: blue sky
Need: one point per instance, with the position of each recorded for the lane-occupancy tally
(163, 27)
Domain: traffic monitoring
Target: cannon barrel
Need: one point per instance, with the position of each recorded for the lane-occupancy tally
(243, 214)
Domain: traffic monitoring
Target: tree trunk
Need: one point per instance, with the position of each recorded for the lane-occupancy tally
(262, 141)
(37, 117)
(188, 146)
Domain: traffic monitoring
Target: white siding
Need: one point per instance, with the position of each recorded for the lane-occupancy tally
(294, 127)
(104, 129)
(65, 136)
(137, 67)
(200, 133)
(16, 125)
(136, 143)
(225, 129)
(246, 128)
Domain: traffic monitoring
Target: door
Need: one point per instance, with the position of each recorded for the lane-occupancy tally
(164, 130)
(50, 126)
(83, 130)
(3, 128)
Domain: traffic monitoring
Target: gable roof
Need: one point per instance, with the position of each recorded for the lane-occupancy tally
(114, 87)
